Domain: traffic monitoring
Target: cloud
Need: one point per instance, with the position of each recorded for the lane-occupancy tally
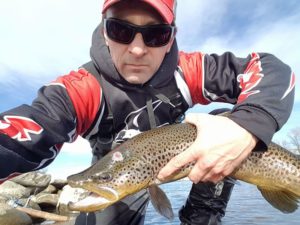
(63, 167)
(79, 147)
(242, 27)
(73, 158)
(40, 38)
(43, 39)
(197, 20)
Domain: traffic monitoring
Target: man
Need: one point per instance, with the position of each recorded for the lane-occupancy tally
(137, 80)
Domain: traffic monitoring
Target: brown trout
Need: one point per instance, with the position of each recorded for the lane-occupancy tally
(134, 165)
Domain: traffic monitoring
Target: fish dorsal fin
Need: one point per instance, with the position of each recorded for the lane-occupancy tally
(160, 202)
(284, 201)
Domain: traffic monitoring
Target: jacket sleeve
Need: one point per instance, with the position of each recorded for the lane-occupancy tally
(261, 88)
(32, 135)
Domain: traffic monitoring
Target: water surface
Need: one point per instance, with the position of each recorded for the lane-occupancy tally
(246, 207)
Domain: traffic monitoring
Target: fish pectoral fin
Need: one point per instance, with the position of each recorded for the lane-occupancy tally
(282, 200)
(160, 202)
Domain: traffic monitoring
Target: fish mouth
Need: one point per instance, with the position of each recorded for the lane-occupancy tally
(104, 197)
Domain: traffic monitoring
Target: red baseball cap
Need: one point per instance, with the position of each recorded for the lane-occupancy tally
(166, 8)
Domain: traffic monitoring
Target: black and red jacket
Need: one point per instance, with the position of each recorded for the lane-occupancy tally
(260, 87)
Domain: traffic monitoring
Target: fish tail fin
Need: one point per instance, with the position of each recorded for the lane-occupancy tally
(283, 200)
(160, 202)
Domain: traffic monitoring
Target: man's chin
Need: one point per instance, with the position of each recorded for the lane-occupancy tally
(136, 79)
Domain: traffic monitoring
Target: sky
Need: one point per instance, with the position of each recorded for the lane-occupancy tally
(42, 39)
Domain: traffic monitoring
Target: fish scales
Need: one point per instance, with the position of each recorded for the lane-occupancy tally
(271, 165)
(157, 149)
(134, 165)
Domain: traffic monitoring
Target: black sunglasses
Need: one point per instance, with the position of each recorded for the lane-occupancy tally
(156, 35)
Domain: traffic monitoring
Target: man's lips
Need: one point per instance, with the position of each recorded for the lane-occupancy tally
(136, 66)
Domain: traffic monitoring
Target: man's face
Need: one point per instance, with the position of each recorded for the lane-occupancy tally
(135, 61)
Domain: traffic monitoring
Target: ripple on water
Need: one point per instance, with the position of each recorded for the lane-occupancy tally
(246, 206)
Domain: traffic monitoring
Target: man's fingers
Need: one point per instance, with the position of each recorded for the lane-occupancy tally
(196, 175)
(213, 177)
(177, 162)
(224, 169)
(183, 158)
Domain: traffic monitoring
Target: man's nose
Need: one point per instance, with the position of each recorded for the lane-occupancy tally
(137, 46)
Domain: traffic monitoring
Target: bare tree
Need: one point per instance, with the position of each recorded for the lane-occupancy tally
(284, 143)
(294, 139)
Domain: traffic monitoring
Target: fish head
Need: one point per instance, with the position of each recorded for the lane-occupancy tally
(112, 178)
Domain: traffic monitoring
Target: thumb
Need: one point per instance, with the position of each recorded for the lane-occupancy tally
(196, 118)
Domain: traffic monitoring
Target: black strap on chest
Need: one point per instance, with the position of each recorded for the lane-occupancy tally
(102, 142)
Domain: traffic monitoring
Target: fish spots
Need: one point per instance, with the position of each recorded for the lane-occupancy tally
(276, 167)
(137, 161)
(156, 149)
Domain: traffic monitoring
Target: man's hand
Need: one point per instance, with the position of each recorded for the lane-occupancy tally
(221, 146)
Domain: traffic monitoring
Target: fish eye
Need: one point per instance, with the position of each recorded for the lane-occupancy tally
(106, 176)
(102, 176)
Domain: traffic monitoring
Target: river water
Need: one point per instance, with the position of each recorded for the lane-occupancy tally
(246, 207)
